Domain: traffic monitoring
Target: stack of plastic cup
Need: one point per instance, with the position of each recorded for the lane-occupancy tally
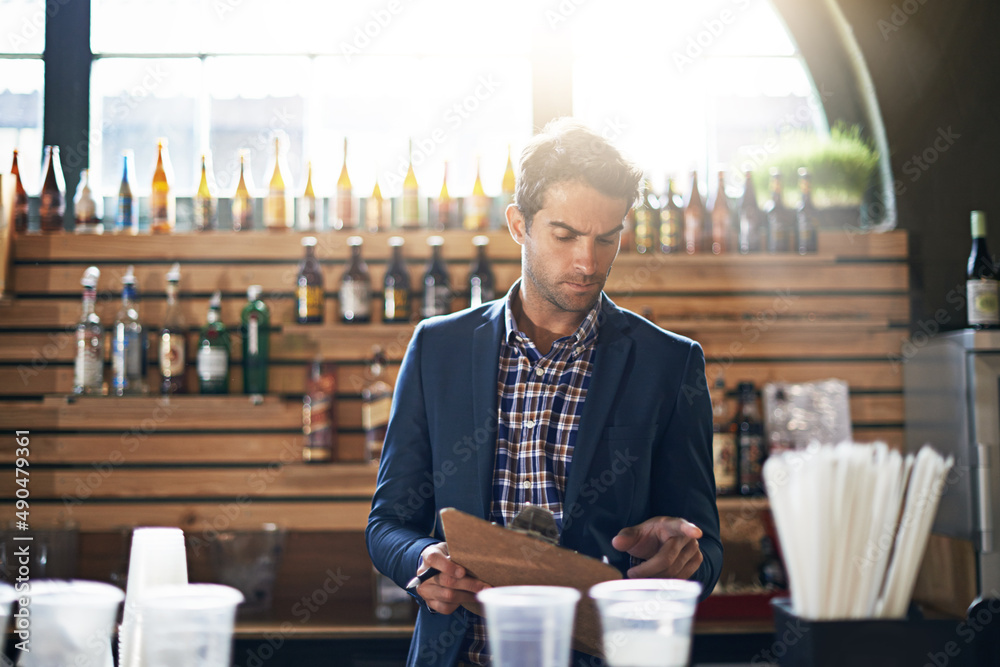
(189, 625)
(157, 558)
(529, 626)
(646, 621)
(71, 623)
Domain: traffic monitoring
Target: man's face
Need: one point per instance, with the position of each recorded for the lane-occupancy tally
(572, 244)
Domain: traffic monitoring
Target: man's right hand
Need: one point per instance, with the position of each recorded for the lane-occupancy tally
(447, 591)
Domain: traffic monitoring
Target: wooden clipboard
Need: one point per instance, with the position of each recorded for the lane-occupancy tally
(503, 557)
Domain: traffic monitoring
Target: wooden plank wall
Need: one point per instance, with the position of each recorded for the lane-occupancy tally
(215, 463)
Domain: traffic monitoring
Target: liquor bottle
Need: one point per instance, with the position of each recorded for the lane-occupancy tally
(309, 220)
(278, 210)
(127, 218)
(751, 225)
(213, 351)
(375, 210)
(318, 416)
(20, 199)
(128, 343)
(749, 442)
(477, 207)
(205, 207)
(647, 219)
(723, 441)
(721, 219)
(376, 402)
(409, 217)
(52, 199)
(396, 287)
(695, 217)
(88, 368)
(626, 243)
(671, 221)
(356, 287)
(981, 279)
(437, 286)
(87, 211)
(482, 283)
(162, 201)
(255, 322)
(172, 353)
(345, 214)
(445, 204)
(243, 200)
(509, 182)
(780, 219)
(806, 216)
(309, 295)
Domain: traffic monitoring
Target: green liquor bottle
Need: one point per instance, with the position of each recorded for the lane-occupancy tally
(256, 324)
(213, 351)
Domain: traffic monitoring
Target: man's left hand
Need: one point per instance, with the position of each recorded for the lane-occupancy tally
(667, 544)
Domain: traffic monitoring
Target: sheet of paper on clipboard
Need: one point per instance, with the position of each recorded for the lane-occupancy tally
(503, 557)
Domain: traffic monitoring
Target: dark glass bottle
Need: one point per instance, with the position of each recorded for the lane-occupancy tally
(806, 216)
(309, 286)
(172, 353)
(482, 283)
(376, 402)
(20, 199)
(356, 287)
(671, 221)
(88, 210)
(722, 216)
(981, 279)
(647, 220)
(751, 227)
(696, 220)
(255, 322)
(127, 218)
(52, 201)
(749, 442)
(319, 425)
(396, 286)
(213, 351)
(723, 441)
(437, 285)
(781, 226)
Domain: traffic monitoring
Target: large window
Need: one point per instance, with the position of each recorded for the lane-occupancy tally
(22, 76)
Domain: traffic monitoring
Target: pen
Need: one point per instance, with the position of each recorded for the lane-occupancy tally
(422, 577)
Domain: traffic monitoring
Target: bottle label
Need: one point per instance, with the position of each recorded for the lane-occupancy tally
(355, 300)
(158, 207)
(242, 213)
(375, 413)
(275, 210)
(436, 300)
(397, 304)
(125, 220)
(213, 363)
(751, 459)
(171, 355)
(984, 303)
(126, 361)
(88, 368)
(724, 456)
(477, 294)
(310, 302)
(344, 210)
(204, 213)
(253, 335)
(410, 209)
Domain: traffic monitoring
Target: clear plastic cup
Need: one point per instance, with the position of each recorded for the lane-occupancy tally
(646, 622)
(529, 626)
(71, 623)
(188, 626)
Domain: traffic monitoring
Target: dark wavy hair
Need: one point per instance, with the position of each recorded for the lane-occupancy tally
(566, 150)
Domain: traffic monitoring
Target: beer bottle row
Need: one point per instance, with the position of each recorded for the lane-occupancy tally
(669, 224)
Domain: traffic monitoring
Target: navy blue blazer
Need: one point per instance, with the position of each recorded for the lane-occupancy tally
(644, 449)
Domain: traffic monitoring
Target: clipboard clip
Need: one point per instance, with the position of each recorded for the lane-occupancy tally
(537, 522)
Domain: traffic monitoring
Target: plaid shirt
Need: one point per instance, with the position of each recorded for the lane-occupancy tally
(541, 400)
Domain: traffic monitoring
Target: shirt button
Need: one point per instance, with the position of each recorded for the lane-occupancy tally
(539, 371)
(530, 423)
(526, 484)
(579, 349)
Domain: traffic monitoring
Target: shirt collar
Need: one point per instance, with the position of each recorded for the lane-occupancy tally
(585, 334)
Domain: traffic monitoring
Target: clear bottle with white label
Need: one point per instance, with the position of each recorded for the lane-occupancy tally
(128, 343)
(213, 351)
(88, 369)
(355, 287)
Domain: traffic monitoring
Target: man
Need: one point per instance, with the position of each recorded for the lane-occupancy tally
(551, 396)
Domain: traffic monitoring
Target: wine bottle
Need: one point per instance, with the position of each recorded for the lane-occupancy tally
(477, 207)
(437, 285)
(396, 286)
(723, 441)
(213, 351)
(278, 210)
(88, 367)
(375, 210)
(647, 219)
(750, 229)
(205, 206)
(780, 219)
(749, 442)
(255, 322)
(356, 287)
(319, 418)
(243, 199)
(309, 295)
(172, 353)
(162, 200)
(345, 213)
(482, 283)
(20, 199)
(52, 199)
(509, 182)
(128, 343)
(127, 218)
(721, 218)
(409, 217)
(376, 403)
(445, 204)
(309, 220)
(806, 216)
(671, 221)
(695, 217)
(87, 211)
(981, 279)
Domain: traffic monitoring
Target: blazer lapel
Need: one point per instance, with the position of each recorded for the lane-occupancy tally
(485, 352)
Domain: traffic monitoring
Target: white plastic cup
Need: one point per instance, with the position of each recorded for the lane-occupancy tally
(646, 622)
(529, 626)
(71, 623)
(188, 626)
